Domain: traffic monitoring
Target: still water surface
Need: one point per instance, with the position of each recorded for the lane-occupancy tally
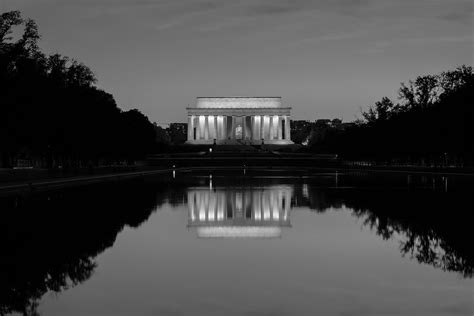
(229, 243)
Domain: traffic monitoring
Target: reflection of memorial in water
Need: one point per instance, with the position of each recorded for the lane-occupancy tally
(255, 212)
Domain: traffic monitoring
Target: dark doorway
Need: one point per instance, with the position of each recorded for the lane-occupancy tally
(283, 130)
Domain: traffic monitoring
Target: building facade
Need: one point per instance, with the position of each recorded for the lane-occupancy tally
(239, 120)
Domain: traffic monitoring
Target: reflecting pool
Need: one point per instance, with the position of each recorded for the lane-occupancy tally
(242, 242)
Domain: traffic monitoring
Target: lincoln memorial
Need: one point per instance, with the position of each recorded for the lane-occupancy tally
(239, 120)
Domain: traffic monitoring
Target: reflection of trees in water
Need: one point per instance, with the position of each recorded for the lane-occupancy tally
(49, 241)
(432, 230)
(434, 226)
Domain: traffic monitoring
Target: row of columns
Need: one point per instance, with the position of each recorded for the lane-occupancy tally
(267, 127)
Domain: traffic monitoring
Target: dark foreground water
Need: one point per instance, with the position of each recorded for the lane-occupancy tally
(235, 243)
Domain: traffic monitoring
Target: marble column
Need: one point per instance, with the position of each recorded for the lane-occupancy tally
(257, 127)
(269, 128)
(232, 130)
(254, 127)
(287, 129)
(219, 124)
(190, 127)
(206, 127)
(197, 126)
(249, 127)
(262, 131)
(224, 127)
(216, 128)
(211, 127)
(275, 127)
(280, 129)
(270, 135)
(272, 127)
(202, 124)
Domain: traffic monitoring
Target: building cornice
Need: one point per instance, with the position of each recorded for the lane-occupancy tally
(239, 111)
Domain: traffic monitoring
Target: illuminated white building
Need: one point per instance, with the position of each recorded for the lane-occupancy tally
(239, 212)
(233, 120)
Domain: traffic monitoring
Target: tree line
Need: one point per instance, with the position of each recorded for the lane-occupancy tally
(432, 123)
(53, 114)
(51, 111)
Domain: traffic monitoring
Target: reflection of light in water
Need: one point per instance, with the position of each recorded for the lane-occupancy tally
(202, 210)
(305, 190)
(276, 214)
(210, 215)
(191, 212)
(266, 211)
(236, 232)
(238, 201)
(212, 207)
(220, 214)
(202, 213)
(257, 215)
(239, 212)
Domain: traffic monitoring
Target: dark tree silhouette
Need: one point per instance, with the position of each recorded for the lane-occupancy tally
(55, 249)
(432, 125)
(381, 111)
(52, 113)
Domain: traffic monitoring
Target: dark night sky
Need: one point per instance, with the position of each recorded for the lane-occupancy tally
(326, 58)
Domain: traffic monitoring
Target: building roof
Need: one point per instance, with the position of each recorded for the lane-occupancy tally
(238, 102)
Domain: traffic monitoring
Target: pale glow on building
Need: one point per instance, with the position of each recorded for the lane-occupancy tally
(266, 127)
(275, 125)
(233, 120)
